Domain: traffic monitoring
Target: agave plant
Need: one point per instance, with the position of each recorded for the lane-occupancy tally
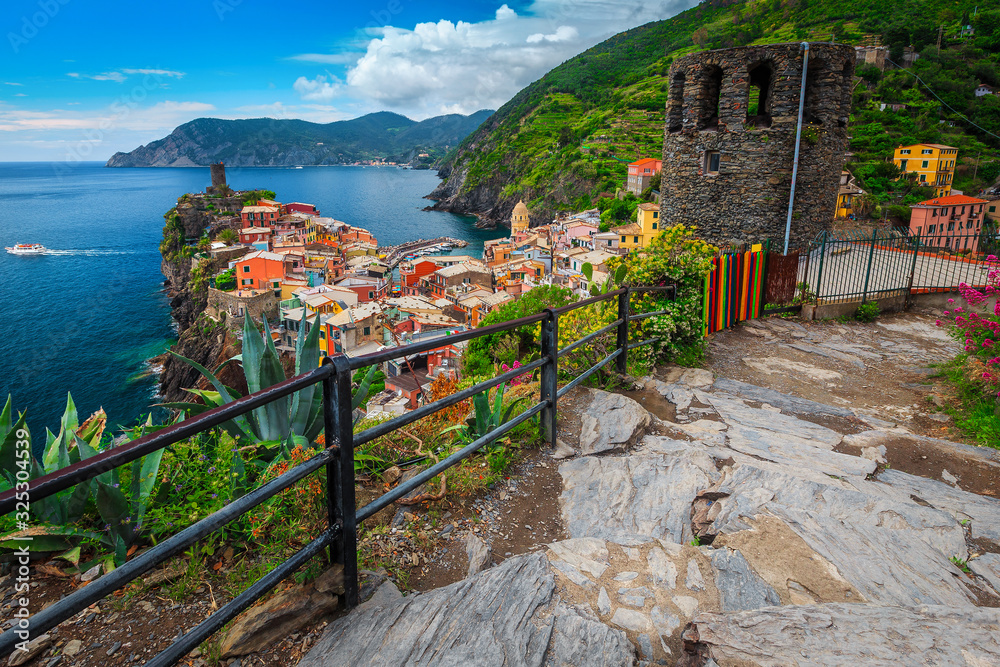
(299, 416)
(485, 418)
(61, 512)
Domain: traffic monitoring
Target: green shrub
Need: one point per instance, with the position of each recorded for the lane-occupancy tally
(868, 312)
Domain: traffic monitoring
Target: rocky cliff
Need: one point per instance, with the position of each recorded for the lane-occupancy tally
(272, 142)
(201, 339)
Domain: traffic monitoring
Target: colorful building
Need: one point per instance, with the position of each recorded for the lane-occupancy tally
(845, 196)
(260, 270)
(258, 237)
(949, 222)
(638, 234)
(640, 174)
(520, 220)
(933, 164)
(259, 216)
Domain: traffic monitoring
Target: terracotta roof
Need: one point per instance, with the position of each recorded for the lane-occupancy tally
(631, 228)
(953, 200)
(643, 161)
(648, 206)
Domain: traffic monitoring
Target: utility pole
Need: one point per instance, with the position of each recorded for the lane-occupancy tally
(976, 168)
(940, 33)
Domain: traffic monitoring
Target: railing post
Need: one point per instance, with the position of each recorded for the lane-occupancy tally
(913, 271)
(868, 271)
(819, 273)
(624, 304)
(550, 373)
(339, 427)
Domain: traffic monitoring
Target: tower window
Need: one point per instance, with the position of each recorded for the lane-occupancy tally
(708, 100)
(675, 103)
(711, 162)
(759, 95)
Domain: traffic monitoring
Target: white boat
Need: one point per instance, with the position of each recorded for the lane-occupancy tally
(27, 249)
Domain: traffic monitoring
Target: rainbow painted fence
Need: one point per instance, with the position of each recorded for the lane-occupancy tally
(734, 290)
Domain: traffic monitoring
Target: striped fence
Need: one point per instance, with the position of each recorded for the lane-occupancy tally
(734, 290)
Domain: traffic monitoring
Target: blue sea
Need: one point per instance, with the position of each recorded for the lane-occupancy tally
(86, 317)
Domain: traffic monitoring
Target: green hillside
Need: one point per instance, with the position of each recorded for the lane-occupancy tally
(565, 139)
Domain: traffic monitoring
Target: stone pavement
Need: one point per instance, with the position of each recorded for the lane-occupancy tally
(742, 534)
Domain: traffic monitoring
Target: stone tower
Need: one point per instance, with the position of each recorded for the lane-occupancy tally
(730, 139)
(519, 219)
(218, 178)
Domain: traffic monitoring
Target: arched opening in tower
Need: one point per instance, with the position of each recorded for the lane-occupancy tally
(761, 83)
(675, 103)
(813, 111)
(708, 98)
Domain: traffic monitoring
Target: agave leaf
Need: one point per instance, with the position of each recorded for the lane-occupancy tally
(273, 417)
(84, 449)
(510, 409)
(8, 446)
(245, 427)
(5, 418)
(150, 468)
(56, 454)
(306, 358)
(497, 407)
(113, 508)
(253, 351)
(317, 423)
(363, 389)
(213, 399)
(588, 271)
(71, 556)
(481, 402)
(134, 486)
(77, 503)
(93, 428)
(189, 408)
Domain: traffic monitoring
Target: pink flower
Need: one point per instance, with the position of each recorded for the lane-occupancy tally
(987, 343)
(986, 376)
(937, 322)
(951, 301)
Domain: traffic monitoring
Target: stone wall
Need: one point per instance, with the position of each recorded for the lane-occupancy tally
(233, 308)
(707, 111)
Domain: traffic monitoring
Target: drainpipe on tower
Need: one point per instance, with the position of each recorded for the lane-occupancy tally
(798, 141)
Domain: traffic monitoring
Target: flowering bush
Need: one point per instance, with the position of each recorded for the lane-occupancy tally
(520, 379)
(980, 333)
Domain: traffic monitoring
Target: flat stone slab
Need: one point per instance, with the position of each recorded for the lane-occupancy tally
(847, 634)
(982, 513)
(788, 403)
(649, 494)
(611, 422)
(508, 616)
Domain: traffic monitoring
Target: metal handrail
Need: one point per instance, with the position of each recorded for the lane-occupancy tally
(338, 460)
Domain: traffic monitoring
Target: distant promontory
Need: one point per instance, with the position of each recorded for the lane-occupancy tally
(263, 142)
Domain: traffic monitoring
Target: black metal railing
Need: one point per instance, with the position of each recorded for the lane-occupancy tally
(340, 535)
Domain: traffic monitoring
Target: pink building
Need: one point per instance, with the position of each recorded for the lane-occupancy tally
(952, 222)
(299, 207)
(640, 173)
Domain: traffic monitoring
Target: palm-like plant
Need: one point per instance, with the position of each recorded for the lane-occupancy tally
(298, 417)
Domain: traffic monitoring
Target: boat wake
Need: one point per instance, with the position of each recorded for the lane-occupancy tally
(93, 252)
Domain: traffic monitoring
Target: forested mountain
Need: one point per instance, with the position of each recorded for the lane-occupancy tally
(566, 138)
(268, 141)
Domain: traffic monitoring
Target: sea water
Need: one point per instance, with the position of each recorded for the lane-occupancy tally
(85, 317)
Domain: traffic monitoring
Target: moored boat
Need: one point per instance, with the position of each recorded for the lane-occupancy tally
(27, 249)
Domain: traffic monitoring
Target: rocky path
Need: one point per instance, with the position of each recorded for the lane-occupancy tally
(754, 519)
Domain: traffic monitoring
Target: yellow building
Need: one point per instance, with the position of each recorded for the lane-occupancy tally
(845, 196)
(638, 234)
(933, 164)
(519, 219)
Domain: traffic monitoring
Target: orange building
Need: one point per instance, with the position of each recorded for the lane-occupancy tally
(640, 173)
(260, 270)
(412, 272)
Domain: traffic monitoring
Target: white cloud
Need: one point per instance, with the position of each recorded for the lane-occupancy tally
(460, 67)
(161, 116)
(319, 89)
(346, 58)
(154, 72)
(563, 33)
(20, 94)
(119, 77)
(12, 83)
(505, 12)
(109, 76)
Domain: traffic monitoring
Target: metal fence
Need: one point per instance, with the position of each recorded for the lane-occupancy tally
(337, 459)
(888, 263)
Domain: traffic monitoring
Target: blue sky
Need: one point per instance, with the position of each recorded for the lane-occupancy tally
(83, 79)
